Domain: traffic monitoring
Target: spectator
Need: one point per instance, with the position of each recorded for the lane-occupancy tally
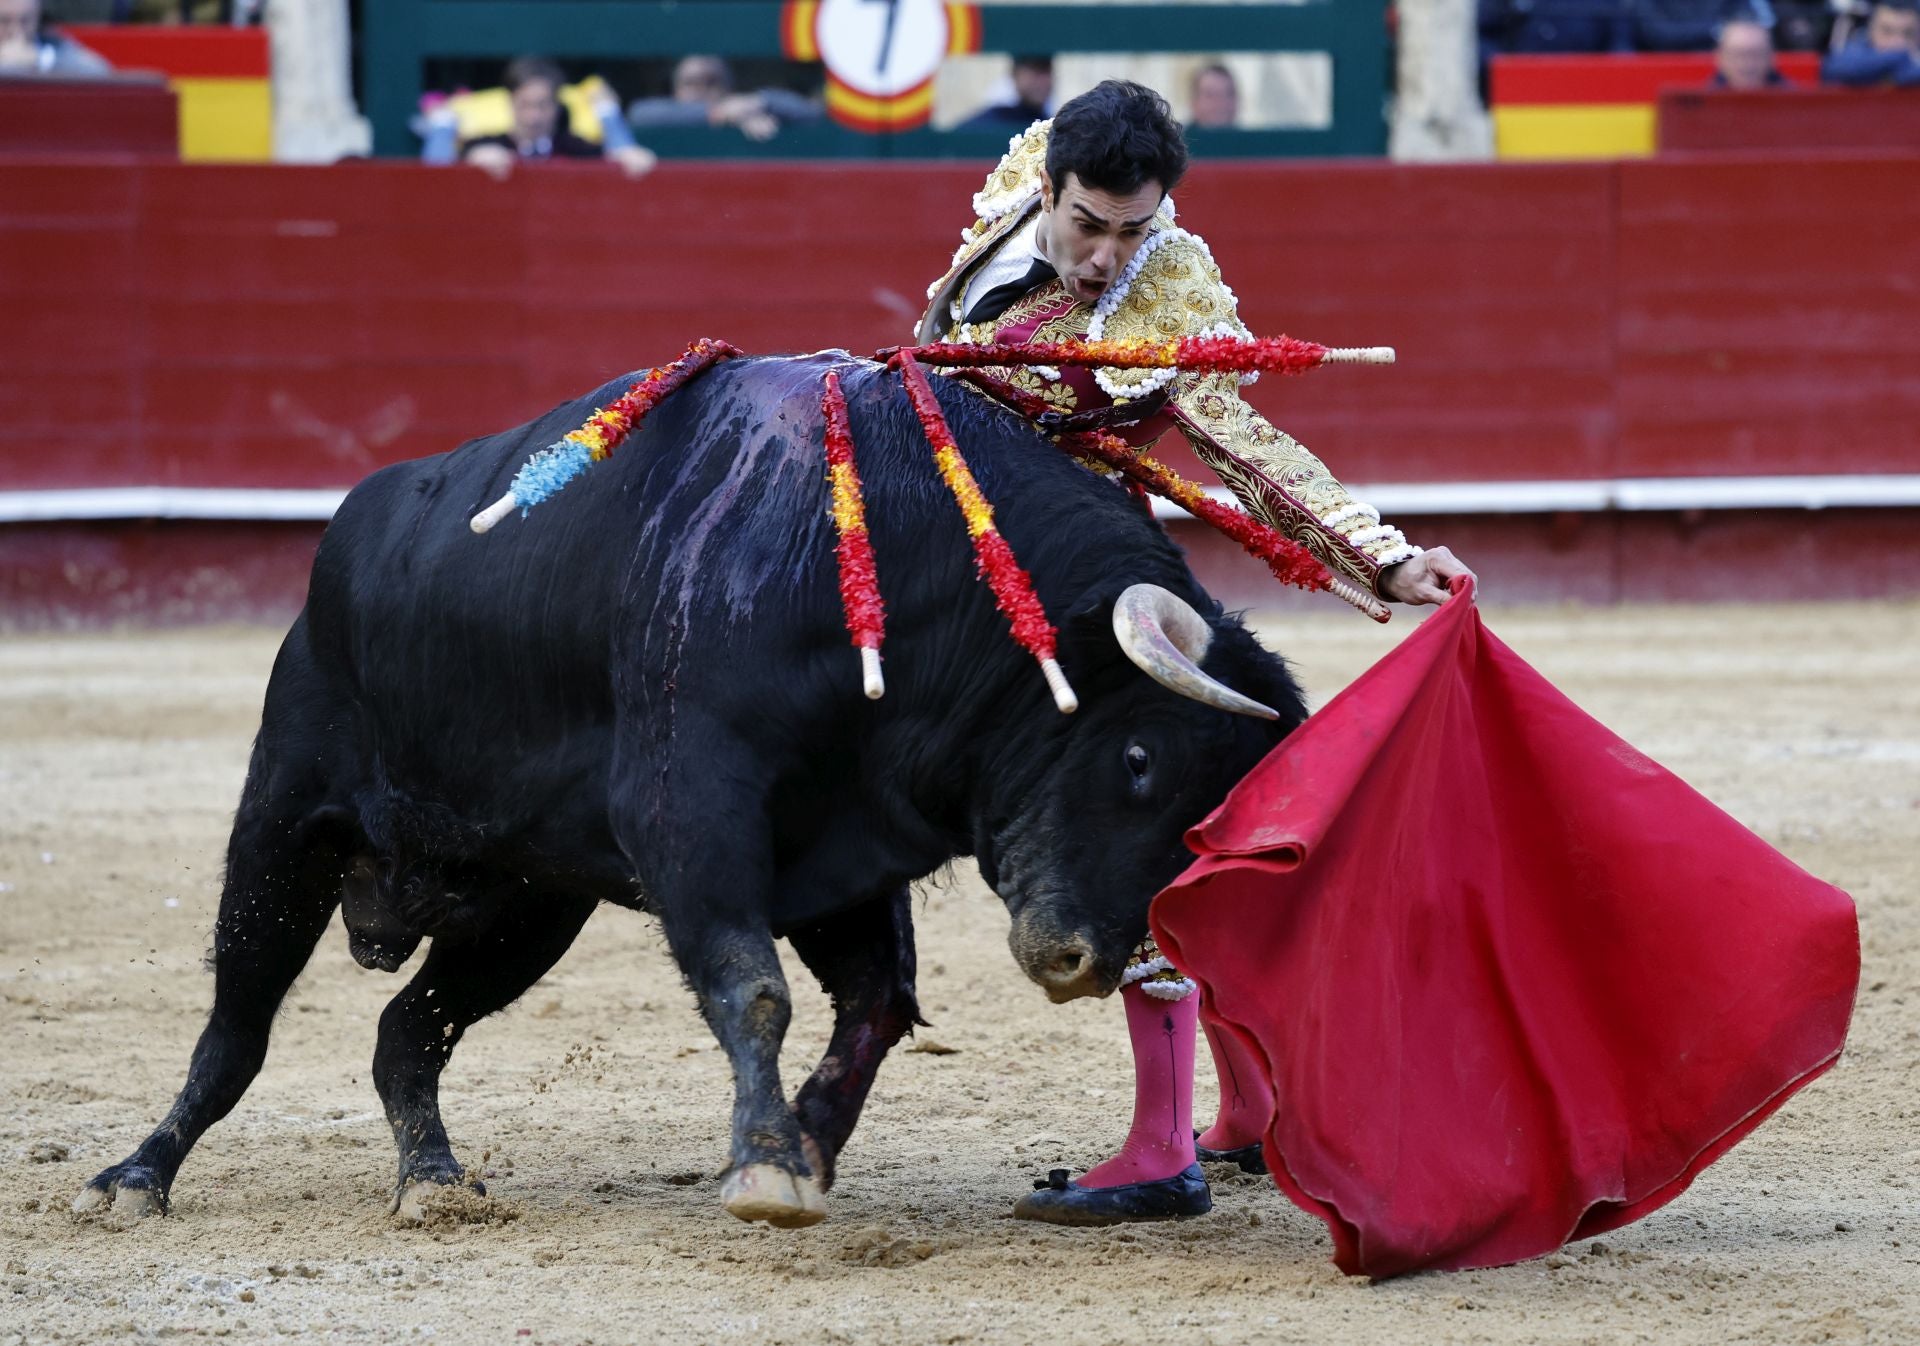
(1694, 25)
(1801, 25)
(1680, 25)
(703, 96)
(1214, 98)
(28, 46)
(533, 83)
(1554, 26)
(1743, 57)
(1028, 100)
(1888, 53)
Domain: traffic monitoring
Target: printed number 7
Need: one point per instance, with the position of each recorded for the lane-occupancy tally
(886, 36)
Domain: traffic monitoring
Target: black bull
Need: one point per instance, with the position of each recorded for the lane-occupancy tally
(643, 693)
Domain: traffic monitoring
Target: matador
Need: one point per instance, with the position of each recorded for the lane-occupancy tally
(1075, 239)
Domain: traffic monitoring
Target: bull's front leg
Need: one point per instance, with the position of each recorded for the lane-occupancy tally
(695, 828)
(742, 993)
(864, 959)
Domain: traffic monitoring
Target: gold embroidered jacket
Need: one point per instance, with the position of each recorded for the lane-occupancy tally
(1171, 288)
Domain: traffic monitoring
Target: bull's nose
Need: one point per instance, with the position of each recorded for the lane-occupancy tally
(1070, 973)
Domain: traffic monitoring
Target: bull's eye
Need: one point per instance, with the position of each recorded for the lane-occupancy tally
(1137, 761)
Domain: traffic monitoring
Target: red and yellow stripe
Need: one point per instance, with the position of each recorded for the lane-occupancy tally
(1290, 562)
(866, 615)
(865, 112)
(609, 426)
(223, 77)
(963, 28)
(1012, 587)
(797, 42)
(1598, 106)
(1198, 354)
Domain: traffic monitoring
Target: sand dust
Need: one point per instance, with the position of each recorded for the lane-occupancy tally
(596, 1108)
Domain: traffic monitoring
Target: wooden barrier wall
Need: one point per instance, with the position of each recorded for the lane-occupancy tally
(280, 326)
(1822, 119)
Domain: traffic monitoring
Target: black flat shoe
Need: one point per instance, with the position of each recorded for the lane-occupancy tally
(1250, 1157)
(1059, 1200)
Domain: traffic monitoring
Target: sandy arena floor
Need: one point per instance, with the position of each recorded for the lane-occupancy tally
(598, 1105)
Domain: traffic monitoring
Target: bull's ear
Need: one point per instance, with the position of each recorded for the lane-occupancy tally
(1087, 627)
(1087, 654)
(1092, 618)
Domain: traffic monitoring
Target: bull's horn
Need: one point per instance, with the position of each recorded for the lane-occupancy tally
(1166, 638)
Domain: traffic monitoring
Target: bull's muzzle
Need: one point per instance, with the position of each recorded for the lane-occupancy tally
(1069, 974)
(1065, 966)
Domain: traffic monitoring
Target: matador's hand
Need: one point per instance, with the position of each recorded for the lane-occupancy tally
(1423, 578)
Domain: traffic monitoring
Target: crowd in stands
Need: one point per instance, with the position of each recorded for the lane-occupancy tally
(536, 118)
(1886, 51)
(1868, 42)
(538, 127)
(1568, 26)
(532, 114)
(703, 95)
(536, 114)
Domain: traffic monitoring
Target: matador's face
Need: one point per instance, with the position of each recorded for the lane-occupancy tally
(1090, 235)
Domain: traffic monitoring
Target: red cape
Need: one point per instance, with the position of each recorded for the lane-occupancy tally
(1515, 983)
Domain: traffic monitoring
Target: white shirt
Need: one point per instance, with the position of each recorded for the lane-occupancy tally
(1014, 259)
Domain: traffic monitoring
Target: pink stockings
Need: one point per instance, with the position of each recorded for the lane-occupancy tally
(1159, 1144)
(1246, 1099)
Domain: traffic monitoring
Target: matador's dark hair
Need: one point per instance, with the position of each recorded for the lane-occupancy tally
(1115, 137)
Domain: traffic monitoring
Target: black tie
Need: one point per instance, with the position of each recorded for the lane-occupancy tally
(1002, 297)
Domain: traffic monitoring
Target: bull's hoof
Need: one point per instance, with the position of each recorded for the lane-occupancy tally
(767, 1192)
(426, 1203)
(410, 1203)
(122, 1195)
(413, 1197)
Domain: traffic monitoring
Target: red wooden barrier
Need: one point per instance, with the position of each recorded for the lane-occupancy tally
(52, 115)
(271, 326)
(1717, 120)
(1765, 316)
(1536, 79)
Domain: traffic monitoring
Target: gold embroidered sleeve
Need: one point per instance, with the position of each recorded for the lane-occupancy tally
(1173, 288)
(1283, 484)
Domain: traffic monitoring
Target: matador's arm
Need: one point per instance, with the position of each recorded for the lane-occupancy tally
(1175, 290)
(1284, 485)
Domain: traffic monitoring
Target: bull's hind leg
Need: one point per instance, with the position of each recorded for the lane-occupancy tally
(864, 959)
(282, 884)
(458, 984)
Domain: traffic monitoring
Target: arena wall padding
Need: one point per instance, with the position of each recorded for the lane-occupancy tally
(84, 116)
(1796, 119)
(198, 325)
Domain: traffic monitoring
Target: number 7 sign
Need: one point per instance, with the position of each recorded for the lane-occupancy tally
(881, 55)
